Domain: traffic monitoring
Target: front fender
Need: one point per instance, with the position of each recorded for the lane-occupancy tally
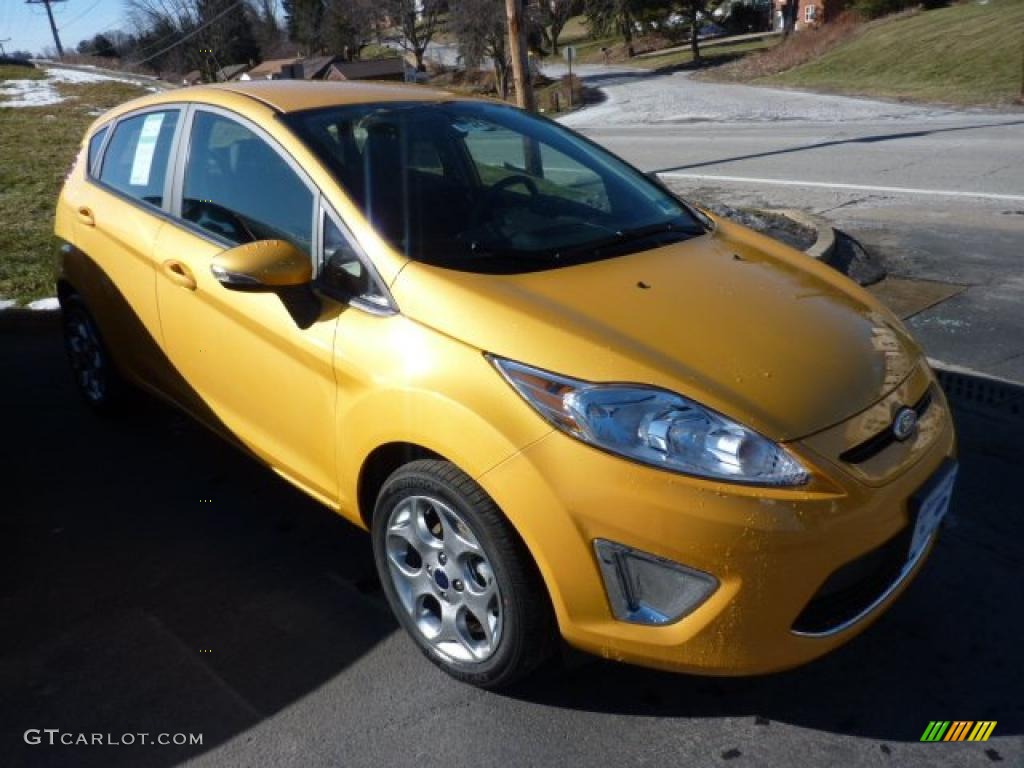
(424, 389)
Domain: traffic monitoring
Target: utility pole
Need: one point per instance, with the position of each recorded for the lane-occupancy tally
(517, 47)
(53, 26)
(2, 51)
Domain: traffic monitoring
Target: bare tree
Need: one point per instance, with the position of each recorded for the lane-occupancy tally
(349, 26)
(693, 11)
(554, 15)
(266, 27)
(479, 27)
(192, 34)
(614, 16)
(415, 23)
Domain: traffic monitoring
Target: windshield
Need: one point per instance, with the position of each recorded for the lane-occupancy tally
(488, 188)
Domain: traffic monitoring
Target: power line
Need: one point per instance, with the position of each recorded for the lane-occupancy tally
(84, 13)
(190, 35)
(159, 41)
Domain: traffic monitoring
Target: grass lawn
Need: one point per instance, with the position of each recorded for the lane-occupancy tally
(37, 145)
(14, 72)
(964, 54)
(711, 55)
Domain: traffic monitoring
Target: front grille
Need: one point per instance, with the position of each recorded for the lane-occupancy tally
(875, 444)
(853, 588)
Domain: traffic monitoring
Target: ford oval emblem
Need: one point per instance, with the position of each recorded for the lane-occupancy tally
(904, 423)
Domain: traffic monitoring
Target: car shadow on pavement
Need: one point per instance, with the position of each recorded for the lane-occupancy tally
(948, 649)
(154, 579)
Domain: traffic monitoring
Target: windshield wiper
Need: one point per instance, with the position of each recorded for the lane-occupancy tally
(626, 236)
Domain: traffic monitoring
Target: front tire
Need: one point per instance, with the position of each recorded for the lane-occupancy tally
(458, 578)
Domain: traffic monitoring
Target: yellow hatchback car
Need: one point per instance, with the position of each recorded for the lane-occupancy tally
(563, 401)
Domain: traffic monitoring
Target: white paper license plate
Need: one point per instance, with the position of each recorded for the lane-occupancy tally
(932, 509)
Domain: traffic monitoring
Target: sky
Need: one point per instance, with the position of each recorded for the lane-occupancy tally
(76, 20)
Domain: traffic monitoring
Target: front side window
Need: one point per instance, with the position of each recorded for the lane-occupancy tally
(239, 188)
(482, 187)
(135, 161)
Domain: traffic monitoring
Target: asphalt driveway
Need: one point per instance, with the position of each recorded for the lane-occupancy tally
(153, 580)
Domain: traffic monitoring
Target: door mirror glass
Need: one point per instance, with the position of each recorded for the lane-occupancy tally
(264, 264)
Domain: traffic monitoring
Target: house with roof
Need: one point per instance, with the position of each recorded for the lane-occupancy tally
(232, 72)
(371, 69)
(328, 68)
(810, 13)
(275, 69)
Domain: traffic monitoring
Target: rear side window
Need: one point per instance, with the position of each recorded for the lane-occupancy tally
(95, 143)
(239, 188)
(135, 161)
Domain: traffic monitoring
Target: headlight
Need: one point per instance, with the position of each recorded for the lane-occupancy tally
(655, 427)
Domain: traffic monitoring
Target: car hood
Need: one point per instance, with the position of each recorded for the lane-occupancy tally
(732, 319)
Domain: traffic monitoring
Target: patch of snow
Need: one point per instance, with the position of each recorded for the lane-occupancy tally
(28, 93)
(648, 98)
(41, 93)
(7, 303)
(45, 304)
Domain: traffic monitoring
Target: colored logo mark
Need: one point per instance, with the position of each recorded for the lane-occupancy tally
(958, 730)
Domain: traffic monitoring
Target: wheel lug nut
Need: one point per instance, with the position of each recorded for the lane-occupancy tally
(442, 558)
(458, 585)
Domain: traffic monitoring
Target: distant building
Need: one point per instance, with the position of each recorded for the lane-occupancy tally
(371, 69)
(328, 68)
(811, 13)
(275, 69)
(232, 72)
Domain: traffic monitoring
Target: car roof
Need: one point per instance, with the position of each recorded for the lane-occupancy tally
(295, 95)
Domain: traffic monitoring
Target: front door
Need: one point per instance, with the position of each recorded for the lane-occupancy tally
(258, 364)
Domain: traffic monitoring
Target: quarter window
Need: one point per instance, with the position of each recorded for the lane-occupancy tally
(344, 269)
(239, 188)
(95, 143)
(135, 162)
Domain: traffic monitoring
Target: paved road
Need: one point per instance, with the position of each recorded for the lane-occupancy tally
(937, 193)
(154, 580)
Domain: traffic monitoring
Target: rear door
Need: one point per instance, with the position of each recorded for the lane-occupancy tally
(258, 365)
(120, 211)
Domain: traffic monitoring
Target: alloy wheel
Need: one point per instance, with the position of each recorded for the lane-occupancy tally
(443, 579)
(85, 352)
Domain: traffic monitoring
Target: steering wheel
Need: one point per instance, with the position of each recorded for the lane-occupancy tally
(487, 200)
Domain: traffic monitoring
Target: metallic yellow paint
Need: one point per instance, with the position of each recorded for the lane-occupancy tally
(269, 263)
(732, 319)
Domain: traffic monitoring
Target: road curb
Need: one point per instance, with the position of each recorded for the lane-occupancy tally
(22, 319)
(825, 244)
(982, 391)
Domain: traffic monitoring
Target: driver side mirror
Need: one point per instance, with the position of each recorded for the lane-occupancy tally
(264, 264)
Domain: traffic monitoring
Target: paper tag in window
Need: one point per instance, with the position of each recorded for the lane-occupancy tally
(144, 149)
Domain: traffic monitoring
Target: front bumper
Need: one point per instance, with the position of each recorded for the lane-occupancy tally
(771, 549)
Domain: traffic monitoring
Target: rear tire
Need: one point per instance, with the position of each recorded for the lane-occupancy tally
(458, 578)
(95, 377)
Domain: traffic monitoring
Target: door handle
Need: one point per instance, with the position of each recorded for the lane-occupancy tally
(85, 216)
(179, 274)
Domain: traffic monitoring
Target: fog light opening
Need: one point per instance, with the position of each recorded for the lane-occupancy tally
(646, 589)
